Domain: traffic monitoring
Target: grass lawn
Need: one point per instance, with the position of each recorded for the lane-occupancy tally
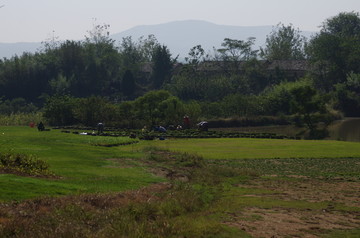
(82, 166)
(85, 167)
(245, 148)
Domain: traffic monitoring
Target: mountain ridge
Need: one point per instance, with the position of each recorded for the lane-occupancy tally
(178, 36)
(195, 32)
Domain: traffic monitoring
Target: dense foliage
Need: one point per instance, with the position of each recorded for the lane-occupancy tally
(284, 43)
(98, 79)
(335, 51)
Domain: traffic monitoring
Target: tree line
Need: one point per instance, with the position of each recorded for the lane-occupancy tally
(126, 79)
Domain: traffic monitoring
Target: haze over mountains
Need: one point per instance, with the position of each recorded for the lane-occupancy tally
(178, 36)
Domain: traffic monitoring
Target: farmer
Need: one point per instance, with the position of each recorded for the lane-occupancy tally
(186, 122)
(41, 126)
(100, 127)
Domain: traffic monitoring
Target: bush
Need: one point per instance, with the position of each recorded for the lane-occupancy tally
(249, 121)
(23, 164)
(20, 119)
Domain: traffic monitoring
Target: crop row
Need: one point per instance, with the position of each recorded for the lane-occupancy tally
(190, 133)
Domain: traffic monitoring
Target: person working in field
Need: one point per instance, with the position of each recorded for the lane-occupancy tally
(100, 127)
(186, 122)
(41, 126)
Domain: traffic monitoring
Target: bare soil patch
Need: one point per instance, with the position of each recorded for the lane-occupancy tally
(291, 222)
(311, 190)
(288, 222)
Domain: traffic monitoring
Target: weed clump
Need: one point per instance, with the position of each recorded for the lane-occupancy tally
(22, 164)
(191, 160)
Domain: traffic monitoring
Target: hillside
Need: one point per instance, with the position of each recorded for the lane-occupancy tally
(8, 50)
(179, 36)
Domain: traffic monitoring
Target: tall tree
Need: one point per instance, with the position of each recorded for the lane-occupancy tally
(346, 24)
(162, 66)
(196, 56)
(336, 49)
(234, 52)
(147, 46)
(128, 84)
(99, 34)
(348, 96)
(102, 61)
(130, 54)
(284, 43)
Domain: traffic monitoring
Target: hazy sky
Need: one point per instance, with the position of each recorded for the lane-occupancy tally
(36, 20)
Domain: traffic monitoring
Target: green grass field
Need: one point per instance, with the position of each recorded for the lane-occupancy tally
(245, 148)
(84, 167)
(234, 185)
(81, 164)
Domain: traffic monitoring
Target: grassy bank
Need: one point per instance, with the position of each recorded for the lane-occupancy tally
(78, 160)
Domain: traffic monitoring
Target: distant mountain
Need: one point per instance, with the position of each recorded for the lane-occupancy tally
(178, 36)
(8, 50)
(181, 36)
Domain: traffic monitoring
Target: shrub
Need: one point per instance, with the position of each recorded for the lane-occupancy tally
(23, 164)
(249, 121)
(20, 119)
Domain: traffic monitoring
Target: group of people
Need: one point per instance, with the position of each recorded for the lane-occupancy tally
(40, 126)
(203, 126)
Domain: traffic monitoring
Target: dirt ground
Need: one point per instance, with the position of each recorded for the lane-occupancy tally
(308, 223)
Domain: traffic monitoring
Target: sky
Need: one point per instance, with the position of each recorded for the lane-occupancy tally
(40, 20)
